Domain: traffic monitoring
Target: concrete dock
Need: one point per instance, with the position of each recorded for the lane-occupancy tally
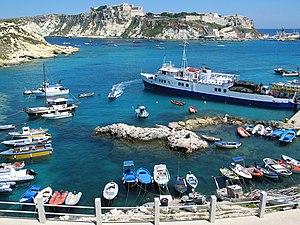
(295, 120)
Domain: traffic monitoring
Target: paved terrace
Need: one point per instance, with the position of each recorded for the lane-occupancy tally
(289, 217)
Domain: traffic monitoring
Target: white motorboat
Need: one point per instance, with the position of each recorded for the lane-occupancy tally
(26, 141)
(5, 187)
(15, 176)
(26, 132)
(241, 171)
(275, 167)
(4, 167)
(161, 175)
(191, 179)
(110, 190)
(291, 160)
(50, 90)
(228, 144)
(73, 198)
(88, 94)
(57, 115)
(7, 127)
(46, 194)
(259, 129)
(141, 112)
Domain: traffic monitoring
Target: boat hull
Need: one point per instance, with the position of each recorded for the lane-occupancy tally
(28, 155)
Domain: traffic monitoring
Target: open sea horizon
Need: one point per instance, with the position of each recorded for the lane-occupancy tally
(83, 162)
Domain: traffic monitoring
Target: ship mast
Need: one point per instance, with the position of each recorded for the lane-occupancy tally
(184, 60)
(45, 85)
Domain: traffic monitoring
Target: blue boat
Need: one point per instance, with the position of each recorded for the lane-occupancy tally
(180, 184)
(129, 175)
(144, 176)
(29, 195)
(288, 136)
(276, 133)
(267, 172)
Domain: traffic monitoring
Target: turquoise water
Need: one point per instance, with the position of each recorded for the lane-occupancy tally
(86, 163)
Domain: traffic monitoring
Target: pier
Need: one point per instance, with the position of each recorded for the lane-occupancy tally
(295, 120)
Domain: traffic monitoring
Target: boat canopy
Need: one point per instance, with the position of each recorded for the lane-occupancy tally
(237, 159)
(128, 163)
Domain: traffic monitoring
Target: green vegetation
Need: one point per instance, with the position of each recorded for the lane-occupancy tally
(134, 24)
(152, 31)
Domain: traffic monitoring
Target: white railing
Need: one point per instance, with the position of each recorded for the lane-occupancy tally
(154, 214)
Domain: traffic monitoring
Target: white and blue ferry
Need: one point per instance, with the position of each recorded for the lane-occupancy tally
(209, 85)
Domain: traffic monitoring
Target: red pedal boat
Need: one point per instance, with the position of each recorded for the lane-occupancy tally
(242, 132)
(177, 103)
(192, 109)
(58, 198)
(254, 171)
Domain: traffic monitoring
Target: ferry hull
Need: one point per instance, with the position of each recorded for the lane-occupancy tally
(28, 155)
(218, 98)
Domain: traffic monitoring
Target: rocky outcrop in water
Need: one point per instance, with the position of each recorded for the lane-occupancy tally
(21, 41)
(177, 139)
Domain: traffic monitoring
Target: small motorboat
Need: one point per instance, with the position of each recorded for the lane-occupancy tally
(276, 133)
(180, 184)
(291, 160)
(226, 172)
(177, 103)
(280, 71)
(58, 198)
(29, 195)
(267, 172)
(7, 127)
(191, 179)
(254, 171)
(57, 115)
(27, 92)
(88, 94)
(161, 175)
(141, 112)
(45, 194)
(242, 132)
(211, 138)
(73, 198)
(259, 129)
(275, 167)
(112, 96)
(268, 131)
(291, 74)
(26, 131)
(16, 176)
(6, 187)
(144, 176)
(291, 167)
(288, 136)
(192, 109)
(129, 175)
(228, 144)
(110, 190)
(4, 167)
(250, 128)
(241, 171)
(26, 141)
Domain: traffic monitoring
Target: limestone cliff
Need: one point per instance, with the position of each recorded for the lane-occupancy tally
(21, 41)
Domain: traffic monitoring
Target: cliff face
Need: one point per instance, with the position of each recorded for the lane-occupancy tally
(21, 41)
(116, 22)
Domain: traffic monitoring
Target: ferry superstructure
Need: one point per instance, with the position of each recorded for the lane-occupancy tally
(209, 85)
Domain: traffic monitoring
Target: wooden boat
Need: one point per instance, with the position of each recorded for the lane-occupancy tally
(26, 141)
(228, 173)
(26, 131)
(7, 127)
(17, 175)
(4, 167)
(57, 115)
(88, 94)
(291, 160)
(275, 167)
(73, 198)
(291, 167)
(180, 184)
(288, 136)
(58, 198)
(26, 152)
(228, 144)
(192, 109)
(242, 132)
(211, 138)
(177, 103)
(144, 176)
(191, 179)
(267, 172)
(161, 175)
(141, 112)
(111, 190)
(45, 194)
(129, 175)
(259, 129)
(241, 171)
(276, 133)
(254, 171)
(29, 195)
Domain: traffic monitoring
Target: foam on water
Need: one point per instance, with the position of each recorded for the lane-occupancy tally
(118, 89)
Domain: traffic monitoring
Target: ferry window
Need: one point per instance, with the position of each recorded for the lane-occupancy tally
(224, 90)
(164, 81)
(168, 82)
(155, 79)
(219, 89)
(163, 72)
(216, 89)
(179, 83)
(187, 85)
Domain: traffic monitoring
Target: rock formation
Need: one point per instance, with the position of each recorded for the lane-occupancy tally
(177, 139)
(21, 41)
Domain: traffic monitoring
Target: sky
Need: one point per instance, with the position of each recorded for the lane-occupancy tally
(264, 13)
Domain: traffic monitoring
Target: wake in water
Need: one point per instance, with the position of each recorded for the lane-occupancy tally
(118, 89)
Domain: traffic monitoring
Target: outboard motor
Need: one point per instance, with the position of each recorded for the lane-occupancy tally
(30, 172)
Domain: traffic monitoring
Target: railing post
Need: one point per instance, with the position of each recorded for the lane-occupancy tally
(156, 211)
(41, 209)
(262, 204)
(98, 211)
(213, 207)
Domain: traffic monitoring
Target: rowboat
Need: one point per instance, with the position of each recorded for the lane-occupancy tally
(180, 184)
(129, 175)
(7, 127)
(241, 171)
(275, 167)
(228, 173)
(259, 129)
(29, 195)
(58, 198)
(73, 198)
(291, 160)
(26, 141)
(277, 133)
(88, 94)
(26, 152)
(161, 175)
(144, 176)
(254, 171)
(192, 109)
(228, 144)
(191, 179)
(250, 128)
(45, 194)
(26, 131)
(268, 131)
(268, 172)
(211, 138)
(242, 132)
(111, 190)
(177, 103)
(291, 167)
(288, 136)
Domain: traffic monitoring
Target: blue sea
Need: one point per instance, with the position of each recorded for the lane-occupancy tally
(83, 162)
